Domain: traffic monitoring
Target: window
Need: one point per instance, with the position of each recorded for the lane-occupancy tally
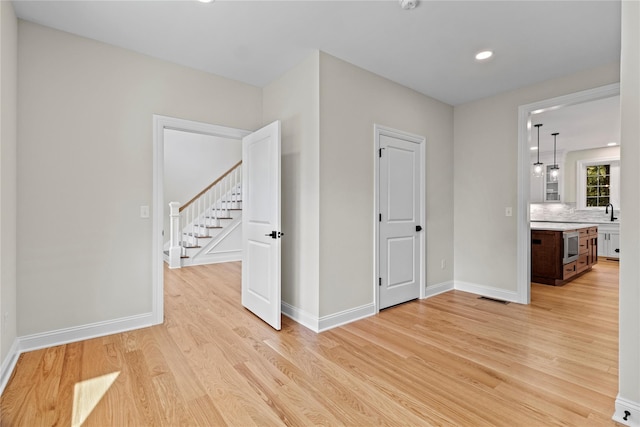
(598, 183)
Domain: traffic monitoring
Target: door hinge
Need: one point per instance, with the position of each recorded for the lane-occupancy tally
(380, 152)
(379, 281)
(380, 217)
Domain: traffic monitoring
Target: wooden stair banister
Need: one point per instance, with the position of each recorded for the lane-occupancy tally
(197, 196)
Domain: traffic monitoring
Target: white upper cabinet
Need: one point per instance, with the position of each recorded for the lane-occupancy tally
(543, 189)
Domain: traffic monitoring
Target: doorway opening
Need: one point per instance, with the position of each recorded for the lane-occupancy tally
(202, 175)
(525, 114)
(399, 223)
(160, 125)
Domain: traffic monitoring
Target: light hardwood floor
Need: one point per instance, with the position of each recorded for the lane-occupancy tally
(452, 359)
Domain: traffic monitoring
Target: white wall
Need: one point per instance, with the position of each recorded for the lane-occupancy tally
(485, 178)
(294, 99)
(629, 368)
(352, 100)
(85, 168)
(192, 161)
(569, 173)
(8, 163)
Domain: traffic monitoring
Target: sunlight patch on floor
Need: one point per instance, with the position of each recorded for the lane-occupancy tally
(87, 394)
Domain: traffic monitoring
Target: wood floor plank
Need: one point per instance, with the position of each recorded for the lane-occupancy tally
(71, 374)
(450, 360)
(142, 392)
(47, 385)
(105, 356)
(173, 408)
(232, 396)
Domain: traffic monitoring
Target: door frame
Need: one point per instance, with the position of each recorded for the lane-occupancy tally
(379, 130)
(160, 123)
(523, 250)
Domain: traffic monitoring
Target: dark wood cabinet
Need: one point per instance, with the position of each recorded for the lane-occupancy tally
(547, 253)
(568, 271)
(546, 256)
(593, 245)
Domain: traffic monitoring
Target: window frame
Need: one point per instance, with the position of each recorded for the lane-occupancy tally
(581, 181)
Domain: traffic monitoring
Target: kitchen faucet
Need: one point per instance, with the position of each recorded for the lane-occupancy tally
(606, 210)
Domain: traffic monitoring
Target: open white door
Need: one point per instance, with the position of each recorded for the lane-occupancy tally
(261, 223)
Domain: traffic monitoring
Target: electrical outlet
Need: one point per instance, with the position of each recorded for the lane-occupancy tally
(443, 264)
(508, 211)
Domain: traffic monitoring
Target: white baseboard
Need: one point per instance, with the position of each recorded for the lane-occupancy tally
(84, 332)
(9, 364)
(214, 258)
(347, 316)
(499, 294)
(622, 405)
(300, 316)
(438, 289)
(324, 323)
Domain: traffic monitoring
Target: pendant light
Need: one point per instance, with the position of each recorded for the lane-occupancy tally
(555, 170)
(538, 168)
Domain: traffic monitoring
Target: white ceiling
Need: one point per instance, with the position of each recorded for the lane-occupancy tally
(588, 125)
(429, 49)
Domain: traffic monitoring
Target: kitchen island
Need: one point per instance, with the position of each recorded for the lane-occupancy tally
(561, 252)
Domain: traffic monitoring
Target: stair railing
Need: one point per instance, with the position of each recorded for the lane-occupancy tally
(203, 212)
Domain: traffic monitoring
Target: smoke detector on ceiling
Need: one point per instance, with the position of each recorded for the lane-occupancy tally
(408, 4)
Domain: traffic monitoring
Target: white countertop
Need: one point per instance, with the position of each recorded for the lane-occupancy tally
(560, 226)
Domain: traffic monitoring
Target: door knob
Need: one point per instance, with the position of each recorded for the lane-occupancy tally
(275, 234)
(418, 228)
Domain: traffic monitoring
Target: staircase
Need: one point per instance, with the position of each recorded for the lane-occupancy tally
(208, 228)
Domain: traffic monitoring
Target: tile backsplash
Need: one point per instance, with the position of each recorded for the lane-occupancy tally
(568, 212)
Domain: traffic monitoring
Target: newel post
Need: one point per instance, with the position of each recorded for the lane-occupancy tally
(174, 249)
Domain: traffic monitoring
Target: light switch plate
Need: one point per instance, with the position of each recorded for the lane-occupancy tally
(508, 211)
(144, 211)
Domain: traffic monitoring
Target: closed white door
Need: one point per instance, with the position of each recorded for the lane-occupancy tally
(400, 229)
(261, 223)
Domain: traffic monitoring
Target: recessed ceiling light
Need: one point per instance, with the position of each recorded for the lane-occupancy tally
(484, 55)
(408, 4)
(611, 144)
(205, 1)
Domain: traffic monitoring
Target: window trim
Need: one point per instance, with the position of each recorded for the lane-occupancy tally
(581, 178)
